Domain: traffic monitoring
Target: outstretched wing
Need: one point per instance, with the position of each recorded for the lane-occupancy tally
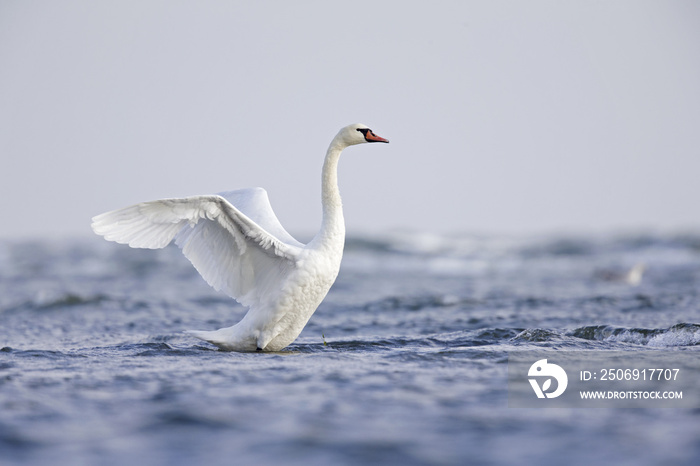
(231, 251)
(254, 204)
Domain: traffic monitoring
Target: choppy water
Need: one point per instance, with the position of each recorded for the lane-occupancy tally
(404, 363)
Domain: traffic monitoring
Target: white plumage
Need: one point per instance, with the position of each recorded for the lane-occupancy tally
(238, 245)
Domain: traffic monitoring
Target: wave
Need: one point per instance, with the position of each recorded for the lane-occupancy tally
(683, 334)
(526, 246)
(67, 300)
(39, 354)
(417, 303)
(188, 418)
(492, 340)
(604, 337)
(438, 341)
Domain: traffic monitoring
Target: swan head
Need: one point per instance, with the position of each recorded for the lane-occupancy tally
(357, 134)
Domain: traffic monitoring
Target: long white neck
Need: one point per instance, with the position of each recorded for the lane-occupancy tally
(332, 230)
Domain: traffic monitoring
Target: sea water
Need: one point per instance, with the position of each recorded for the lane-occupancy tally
(405, 362)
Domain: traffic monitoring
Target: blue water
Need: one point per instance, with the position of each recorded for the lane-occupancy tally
(405, 362)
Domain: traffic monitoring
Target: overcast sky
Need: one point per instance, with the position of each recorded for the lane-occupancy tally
(504, 116)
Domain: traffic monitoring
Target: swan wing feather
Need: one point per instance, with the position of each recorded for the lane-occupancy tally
(255, 204)
(233, 253)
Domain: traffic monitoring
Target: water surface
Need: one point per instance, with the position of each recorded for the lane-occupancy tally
(404, 363)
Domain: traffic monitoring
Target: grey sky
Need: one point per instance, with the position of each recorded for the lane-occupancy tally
(503, 116)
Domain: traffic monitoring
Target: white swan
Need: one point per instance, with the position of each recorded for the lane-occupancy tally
(239, 247)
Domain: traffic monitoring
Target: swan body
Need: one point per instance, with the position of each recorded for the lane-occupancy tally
(238, 245)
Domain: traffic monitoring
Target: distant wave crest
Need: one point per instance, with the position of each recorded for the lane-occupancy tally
(684, 334)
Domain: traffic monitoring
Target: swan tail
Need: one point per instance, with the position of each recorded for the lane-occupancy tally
(223, 338)
(212, 336)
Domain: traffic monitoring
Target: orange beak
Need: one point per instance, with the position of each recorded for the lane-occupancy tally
(371, 137)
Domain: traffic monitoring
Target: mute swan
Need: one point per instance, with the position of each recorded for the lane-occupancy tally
(238, 245)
